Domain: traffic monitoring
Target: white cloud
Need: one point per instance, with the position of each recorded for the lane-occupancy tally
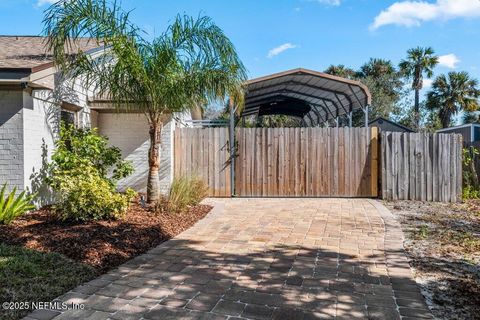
(44, 2)
(277, 50)
(413, 13)
(427, 83)
(329, 2)
(449, 60)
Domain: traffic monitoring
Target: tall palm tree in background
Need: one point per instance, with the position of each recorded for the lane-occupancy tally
(192, 60)
(470, 117)
(453, 93)
(377, 68)
(420, 61)
(341, 71)
(385, 84)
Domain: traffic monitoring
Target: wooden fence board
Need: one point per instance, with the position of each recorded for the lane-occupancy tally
(307, 162)
(204, 152)
(420, 166)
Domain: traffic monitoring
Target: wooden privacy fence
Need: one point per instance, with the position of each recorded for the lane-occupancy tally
(315, 162)
(304, 162)
(420, 166)
(204, 152)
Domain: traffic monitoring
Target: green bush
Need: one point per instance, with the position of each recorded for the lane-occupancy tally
(185, 192)
(77, 148)
(88, 196)
(469, 192)
(471, 189)
(78, 175)
(13, 206)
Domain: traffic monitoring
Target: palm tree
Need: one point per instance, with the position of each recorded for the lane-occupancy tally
(377, 68)
(470, 117)
(420, 61)
(193, 59)
(385, 85)
(341, 71)
(452, 94)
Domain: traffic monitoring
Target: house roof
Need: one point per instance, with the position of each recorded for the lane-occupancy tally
(328, 96)
(391, 122)
(29, 52)
(459, 127)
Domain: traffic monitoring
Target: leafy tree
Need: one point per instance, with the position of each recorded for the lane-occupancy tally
(280, 121)
(193, 59)
(384, 82)
(420, 61)
(470, 117)
(451, 94)
(341, 71)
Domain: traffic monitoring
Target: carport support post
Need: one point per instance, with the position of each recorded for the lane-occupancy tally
(232, 146)
(366, 115)
(350, 117)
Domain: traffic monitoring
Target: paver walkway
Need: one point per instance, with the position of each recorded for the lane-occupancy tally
(264, 259)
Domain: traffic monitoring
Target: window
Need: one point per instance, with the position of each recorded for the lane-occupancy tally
(67, 117)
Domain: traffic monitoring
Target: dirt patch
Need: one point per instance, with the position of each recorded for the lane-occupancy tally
(102, 244)
(443, 244)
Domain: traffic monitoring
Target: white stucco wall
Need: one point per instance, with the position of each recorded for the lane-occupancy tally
(129, 132)
(11, 138)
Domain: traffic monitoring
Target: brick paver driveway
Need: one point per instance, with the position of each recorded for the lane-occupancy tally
(263, 259)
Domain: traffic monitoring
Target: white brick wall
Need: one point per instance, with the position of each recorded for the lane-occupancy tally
(11, 139)
(41, 120)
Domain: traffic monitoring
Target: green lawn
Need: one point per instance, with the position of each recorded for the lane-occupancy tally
(28, 275)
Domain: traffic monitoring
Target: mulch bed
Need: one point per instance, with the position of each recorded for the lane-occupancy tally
(443, 245)
(100, 244)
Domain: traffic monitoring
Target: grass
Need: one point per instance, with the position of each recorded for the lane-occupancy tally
(420, 232)
(28, 275)
(185, 192)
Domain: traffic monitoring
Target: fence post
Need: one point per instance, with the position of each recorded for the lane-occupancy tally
(232, 146)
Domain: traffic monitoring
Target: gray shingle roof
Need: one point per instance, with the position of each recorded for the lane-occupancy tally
(29, 52)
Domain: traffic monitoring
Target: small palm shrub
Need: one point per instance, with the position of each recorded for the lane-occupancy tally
(185, 192)
(79, 175)
(13, 206)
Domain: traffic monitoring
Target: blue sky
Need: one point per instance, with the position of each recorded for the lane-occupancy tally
(275, 35)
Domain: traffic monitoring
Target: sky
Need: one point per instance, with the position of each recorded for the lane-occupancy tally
(277, 35)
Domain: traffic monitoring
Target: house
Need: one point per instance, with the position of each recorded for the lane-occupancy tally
(33, 99)
(388, 125)
(470, 133)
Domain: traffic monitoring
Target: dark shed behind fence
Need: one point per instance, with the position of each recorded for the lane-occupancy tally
(387, 125)
(470, 133)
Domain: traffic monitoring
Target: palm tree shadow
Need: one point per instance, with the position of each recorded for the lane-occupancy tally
(278, 282)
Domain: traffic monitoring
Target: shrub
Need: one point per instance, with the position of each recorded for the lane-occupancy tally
(470, 176)
(77, 148)
(185, 192)
(469, 192)
(13, 206)
(88, 196)
(78, 175)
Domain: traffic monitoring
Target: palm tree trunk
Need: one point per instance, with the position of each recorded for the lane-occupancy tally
(445, 121)
(417, 109)
(153, 182)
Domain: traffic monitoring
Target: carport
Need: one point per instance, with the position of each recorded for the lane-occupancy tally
(313, 96)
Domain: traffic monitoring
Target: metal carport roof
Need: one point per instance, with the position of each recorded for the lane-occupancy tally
(328, 96)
